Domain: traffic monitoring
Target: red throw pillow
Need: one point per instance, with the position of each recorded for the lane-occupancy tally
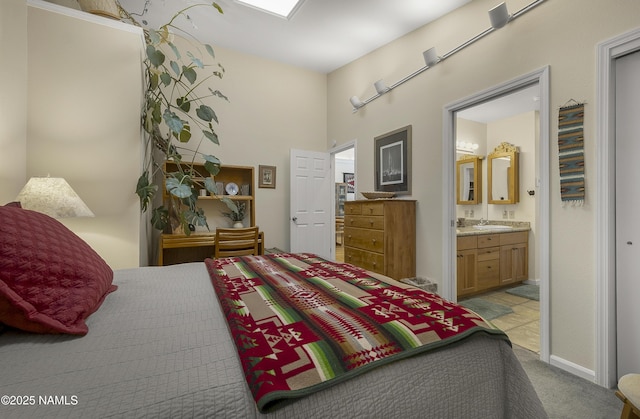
(50, 279)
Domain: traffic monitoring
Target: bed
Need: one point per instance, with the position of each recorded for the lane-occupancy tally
(160, 346)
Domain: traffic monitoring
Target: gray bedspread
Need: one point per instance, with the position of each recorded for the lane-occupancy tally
(159, 348)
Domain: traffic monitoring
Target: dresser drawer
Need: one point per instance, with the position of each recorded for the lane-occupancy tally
(351, 208)
(373, 222)
(488, 253)
(372, 208)
(488, 240)
(366, 260)
(372, 240)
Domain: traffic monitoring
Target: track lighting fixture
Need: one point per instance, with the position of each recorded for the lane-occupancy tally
(499, 17)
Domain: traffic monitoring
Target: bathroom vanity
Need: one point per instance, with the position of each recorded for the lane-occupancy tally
(491, 256)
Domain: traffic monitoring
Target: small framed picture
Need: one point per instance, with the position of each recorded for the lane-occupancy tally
(266, 176)
(393, 161)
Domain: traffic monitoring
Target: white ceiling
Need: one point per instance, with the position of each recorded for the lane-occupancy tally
(515, 103)
(322, 35)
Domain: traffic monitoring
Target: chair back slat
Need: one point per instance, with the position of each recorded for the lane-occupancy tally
(236, 242)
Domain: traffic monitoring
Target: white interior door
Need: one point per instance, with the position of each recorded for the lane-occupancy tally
(627, 204)
(311, 202)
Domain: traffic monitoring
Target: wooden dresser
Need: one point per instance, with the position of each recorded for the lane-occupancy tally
(380, 236)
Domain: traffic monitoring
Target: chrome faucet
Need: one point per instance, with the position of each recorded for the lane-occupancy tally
(483, 222)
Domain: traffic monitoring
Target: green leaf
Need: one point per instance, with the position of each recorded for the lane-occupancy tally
(160, 218)
(195, 60)
(175, 67)
(153, 81)
(185, 134)
(175, 50)
(210, 185)
(217, 7)
(196, 217)
(166, 78)
(211, 164)
(210, 50)
(212, 136)
(177, 188)
(206, 113)
(145, 191)
(174, 123)
(155, 56)
(154, 36)
(190, 74)
(183, 103)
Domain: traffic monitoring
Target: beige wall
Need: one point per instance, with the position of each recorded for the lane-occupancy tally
(561, 34)
(13, 98)
(272, 108)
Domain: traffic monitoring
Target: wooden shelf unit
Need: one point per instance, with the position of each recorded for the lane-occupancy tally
(178, 248)
(240, 175)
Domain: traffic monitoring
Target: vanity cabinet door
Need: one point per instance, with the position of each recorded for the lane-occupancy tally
(466, 271)
(513, 263)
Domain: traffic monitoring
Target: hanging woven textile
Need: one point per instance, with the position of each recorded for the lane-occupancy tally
(571, 154)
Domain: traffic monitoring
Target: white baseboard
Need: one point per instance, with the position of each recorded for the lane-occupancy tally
(532, 281)
(572, 368)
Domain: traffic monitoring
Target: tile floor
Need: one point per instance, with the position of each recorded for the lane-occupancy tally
(523, 325)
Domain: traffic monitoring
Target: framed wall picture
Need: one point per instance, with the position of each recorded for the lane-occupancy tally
(266, 176)
(350, 180)
(393, 161)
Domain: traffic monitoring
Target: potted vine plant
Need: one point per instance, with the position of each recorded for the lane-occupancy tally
(175, 113)
(236, 212)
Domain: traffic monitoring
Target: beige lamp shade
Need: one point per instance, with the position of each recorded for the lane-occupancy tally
(52, 196)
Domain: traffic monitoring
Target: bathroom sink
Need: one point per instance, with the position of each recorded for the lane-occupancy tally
(492, 227)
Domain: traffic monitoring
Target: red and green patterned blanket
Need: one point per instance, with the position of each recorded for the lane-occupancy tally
(302, 323)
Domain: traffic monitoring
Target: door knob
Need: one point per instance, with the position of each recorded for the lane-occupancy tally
(629, 243)
(294, 219)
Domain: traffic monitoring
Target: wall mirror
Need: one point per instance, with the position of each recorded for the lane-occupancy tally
(502, 173)
(469, 180)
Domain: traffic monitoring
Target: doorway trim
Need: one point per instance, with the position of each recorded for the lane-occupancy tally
(541, 77)
(332, 152)
(606, 347)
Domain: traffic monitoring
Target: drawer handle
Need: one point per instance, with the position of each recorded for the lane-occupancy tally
(373, 241)
(371, 222)
(370, 210)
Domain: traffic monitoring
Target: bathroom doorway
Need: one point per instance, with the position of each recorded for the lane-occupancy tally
(344, 166)
(537, 184)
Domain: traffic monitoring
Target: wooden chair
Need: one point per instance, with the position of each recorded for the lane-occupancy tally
(236, 242)
(629, 392)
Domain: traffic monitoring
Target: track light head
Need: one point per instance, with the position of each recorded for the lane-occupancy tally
(499, 16)
(381, 88)
(430, 57)
(356, 102)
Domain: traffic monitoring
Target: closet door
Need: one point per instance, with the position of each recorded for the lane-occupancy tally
(627, 205)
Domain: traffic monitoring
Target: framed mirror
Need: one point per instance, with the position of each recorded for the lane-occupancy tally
(469, 180)
(502, 173)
